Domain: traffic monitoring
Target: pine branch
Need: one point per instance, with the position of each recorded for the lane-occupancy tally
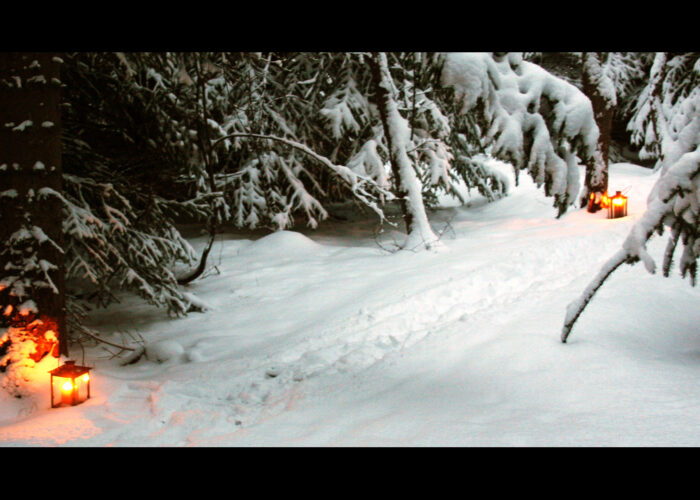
(87, 333)
(348, 176)
(197, 272)
(574, 310)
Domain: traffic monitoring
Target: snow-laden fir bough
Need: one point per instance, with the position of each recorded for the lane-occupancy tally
(668, 125)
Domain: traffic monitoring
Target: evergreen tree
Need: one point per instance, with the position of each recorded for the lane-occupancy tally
(529, 118)
(129, 161)
(600, 89)
(623, 72)
(397, 135)
(606, 77)
(445, 145)
(32, 284)
(668, 123)
(272, 140)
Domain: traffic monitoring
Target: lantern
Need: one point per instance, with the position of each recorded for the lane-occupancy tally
(70, 384)
(617, 206)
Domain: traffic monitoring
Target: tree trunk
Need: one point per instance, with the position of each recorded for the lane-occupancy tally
(30, 159)
(396, 130)
(205, 148)
(602, 96)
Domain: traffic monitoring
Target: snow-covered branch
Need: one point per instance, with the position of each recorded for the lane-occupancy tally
(357, 184)
(674, 201)
(530, 118)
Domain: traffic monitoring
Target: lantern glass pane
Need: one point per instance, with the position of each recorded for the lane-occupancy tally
(618, 206)
(62, 393)
(82, 389)
(67, 391)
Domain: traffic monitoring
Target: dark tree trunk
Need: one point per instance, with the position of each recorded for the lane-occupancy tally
(596, 182)
(205, 148)
(30, 159)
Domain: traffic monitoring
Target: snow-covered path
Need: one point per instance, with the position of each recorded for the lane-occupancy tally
(322, 339)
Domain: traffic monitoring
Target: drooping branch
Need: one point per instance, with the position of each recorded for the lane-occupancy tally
(672, 202)
(533, 120)
(197, 272)
(87, 333)
(352, 180)
(574, 310)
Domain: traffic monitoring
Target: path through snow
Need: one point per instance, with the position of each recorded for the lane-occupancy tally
(321, 339)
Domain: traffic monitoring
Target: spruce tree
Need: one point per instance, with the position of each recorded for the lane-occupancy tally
(606, 80)
(667, 122)
(528, 117)
(600, 89)
(32, 255)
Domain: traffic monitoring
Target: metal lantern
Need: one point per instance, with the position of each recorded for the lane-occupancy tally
(617, 206)
(70, 384)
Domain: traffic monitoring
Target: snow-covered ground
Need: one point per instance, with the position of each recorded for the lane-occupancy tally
(322, 338)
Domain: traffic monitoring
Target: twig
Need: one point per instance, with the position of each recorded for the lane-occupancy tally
(380, 245)
(86, 332)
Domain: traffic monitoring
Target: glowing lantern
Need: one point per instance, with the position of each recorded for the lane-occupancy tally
(70, 384)
(617, 206)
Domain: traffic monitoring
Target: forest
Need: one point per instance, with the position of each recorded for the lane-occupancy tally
(272, 225)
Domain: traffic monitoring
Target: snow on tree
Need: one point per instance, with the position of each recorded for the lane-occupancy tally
(441, 145)
(600, 88)
(659, 113)
(669, 115)
(145, 145)
(257, 140)
(264, 123)
(626, 71)
(127, 149)
(398, 135)
(32, 286)
(323, 102)
(113, 243)
(530, 118)
(445, 145)
(606, 78)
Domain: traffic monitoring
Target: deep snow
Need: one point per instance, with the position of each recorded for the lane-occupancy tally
(322, 338)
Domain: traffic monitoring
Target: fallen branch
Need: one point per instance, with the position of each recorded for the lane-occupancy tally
(87, 333)
(195, 273)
